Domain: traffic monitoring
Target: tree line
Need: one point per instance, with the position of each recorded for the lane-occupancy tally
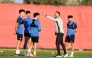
(54, 2)
(59, 2)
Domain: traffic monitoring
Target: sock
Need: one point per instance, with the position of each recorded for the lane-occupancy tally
(72, 53)
(17, 51)
(24, 51)
(29, 50)
(34, 52)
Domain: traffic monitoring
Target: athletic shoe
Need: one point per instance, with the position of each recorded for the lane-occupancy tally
(24, 55)
(29, 54)
(20, 55)
(16, 54)
(35, 56)
(57, 55)
(71, 56)
(66, 55)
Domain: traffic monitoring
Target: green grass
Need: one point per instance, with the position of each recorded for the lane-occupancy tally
(8, 53)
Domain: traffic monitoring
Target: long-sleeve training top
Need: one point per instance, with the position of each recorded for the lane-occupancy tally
(58, 24)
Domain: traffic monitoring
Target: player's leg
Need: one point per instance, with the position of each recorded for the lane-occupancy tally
(58, 40)
(30, 45)
(25, 44)
(62, 44)
(66, 45)
(19, 40)
(35, 41)
(18, 47)
(67, 40)
(72, 45)
(35, 47)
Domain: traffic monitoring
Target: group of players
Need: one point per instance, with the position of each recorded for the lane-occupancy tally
(32, 28)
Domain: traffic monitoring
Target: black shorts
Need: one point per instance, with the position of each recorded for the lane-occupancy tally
(27, 35)
(70, 39)
(19, 37)
(35, 39)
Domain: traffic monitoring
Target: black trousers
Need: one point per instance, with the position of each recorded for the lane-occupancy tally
(59, 41)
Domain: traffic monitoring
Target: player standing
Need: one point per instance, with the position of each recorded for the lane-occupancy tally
(59, 33)
(28, 43)
(19, 31)
(71, 30)
(35, 29)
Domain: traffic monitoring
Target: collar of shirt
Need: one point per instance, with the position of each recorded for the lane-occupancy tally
(27, 17)
(35, 19)
(71, 22)
(20, 17)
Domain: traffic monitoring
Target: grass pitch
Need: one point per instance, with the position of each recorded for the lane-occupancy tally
(9, 53)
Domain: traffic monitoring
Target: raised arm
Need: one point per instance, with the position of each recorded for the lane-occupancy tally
(49, 17)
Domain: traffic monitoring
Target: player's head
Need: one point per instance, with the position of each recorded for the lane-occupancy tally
(57, 14)
(70, 18)
(28, 13)
(22, 12)
(36, 15)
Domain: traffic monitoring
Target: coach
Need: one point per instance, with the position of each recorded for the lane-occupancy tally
(59, 33)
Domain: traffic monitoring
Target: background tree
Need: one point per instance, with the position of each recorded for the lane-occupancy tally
(46, 2)
(87, 2)
(59, 2)
(6, 1)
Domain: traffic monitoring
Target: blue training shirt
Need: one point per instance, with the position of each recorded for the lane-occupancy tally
(20, 26)
(70, 28)
(35, 30)
(27, 21)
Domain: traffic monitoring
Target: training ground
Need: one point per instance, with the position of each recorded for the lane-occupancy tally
(9, 53)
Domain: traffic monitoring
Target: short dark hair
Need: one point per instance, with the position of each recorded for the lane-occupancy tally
(27, 12)
(21, 10)
(58, 12)
(36, 14)
(70, 16)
